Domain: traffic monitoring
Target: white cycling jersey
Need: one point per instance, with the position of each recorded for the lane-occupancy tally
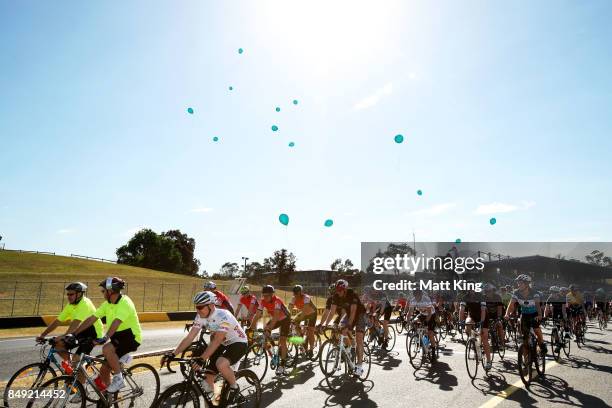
(422, 305)
(222, 320)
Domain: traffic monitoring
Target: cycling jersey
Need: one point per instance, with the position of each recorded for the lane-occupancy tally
(506, 298)
(493, 302)
(81, 311)
(402, 303)
(350, 298)
(223, 301)
(556, 302)
(574, 299)
(248, 301)
(527, 302)
(123, 310)
(275, 303)
(473, 303)
(299, 303)
(328, 304)
(423, 305)
(222, 320)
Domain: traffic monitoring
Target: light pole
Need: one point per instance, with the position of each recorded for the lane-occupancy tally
(245, 259)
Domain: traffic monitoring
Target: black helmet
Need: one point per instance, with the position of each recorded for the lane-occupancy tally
(76, 286)
(113, 283)
(297, 288)
(268, 289)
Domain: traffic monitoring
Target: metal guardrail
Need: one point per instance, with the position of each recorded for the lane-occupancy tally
(92, 258)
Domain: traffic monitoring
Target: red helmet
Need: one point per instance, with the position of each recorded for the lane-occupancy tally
(341, 285)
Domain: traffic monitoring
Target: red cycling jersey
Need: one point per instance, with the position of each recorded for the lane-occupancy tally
(249, 300)
(274, 304)
(223, 301)
(402, 303)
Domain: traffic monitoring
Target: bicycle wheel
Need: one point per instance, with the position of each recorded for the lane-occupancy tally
(399, 325)
(256, 360)
(334, 370)
(524, 364)
(63, 391)
(142, 381)
(26, 378)
(316, 347)
(471, 358)
(555, 343)
(391, 337)
(441, 328)
(195, 349)
(540, 360)
(292, 355)
(325, 347)
(250, 390)
(501, 347)
(567, 343)
(183, 395)
(415, 351)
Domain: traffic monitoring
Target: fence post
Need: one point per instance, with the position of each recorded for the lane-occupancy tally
(178, 299)
(63, 286)
(14, 294)
(144, 295)
(38, 301)
(160, 300)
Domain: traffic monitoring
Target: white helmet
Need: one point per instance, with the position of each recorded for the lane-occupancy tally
(204, 298)
(210, 285)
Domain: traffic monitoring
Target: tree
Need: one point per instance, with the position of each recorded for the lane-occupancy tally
(599, 258)
(186, 246)
(283, 263)
(229, 269)
(336, 265)
(163, 252)
(255, 271)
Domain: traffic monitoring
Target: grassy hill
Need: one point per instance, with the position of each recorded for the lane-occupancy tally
(37, 282)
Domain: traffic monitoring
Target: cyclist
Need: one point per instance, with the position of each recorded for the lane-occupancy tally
(223, 301)
(123, 331)
(506, 295)
(249, 301)
(422, 303)
(78, 309)
(280, 318)
(328, 303)
(531, 312)
(355, 317)
(227, 347)
(575, 305)
(307, 312)
(555, 307)
(476, 307)
(383, 307)
(495, 309)
(601, 304)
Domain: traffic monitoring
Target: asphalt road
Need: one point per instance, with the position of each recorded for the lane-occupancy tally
(581, 380)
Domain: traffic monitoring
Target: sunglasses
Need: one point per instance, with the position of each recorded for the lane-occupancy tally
(71, 294)
(200, 307)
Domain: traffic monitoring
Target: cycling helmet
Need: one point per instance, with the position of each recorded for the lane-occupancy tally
(297, 288)
(113, 283)
(554, 289)
(341, 284)
(204, 298)
(490, 286)
(77, 287)
(563, 289)
(572, 287)
(210, 285)
(245, 289)
(523, 278)
(600, 290)
(267, 290)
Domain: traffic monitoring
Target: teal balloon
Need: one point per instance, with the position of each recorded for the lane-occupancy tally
(274, 128)
(419, 192)
(295, 101)
(398, 139)
(492, 221)
(277, 109)
(329, 223)
(190, 111)
(240, 50)
(231, 88)
(291, 144)
(215, 139)
(457, 241)
(284, 219)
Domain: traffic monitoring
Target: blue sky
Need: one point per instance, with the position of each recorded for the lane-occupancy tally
(505, 109)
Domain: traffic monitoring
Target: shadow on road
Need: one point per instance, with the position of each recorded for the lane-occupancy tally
(439, 374)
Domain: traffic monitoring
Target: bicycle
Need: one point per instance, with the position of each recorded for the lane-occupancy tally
(301, 348)
(560, 339)
(602, 321)
(187, 393)
(196, 348)
(265, 351)
(31, 376)
(67, 389)
(474, 350)
(579, 330)
(340, 355)
(418, 344)
(376, 339)
(497, 345)
(529, 354)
